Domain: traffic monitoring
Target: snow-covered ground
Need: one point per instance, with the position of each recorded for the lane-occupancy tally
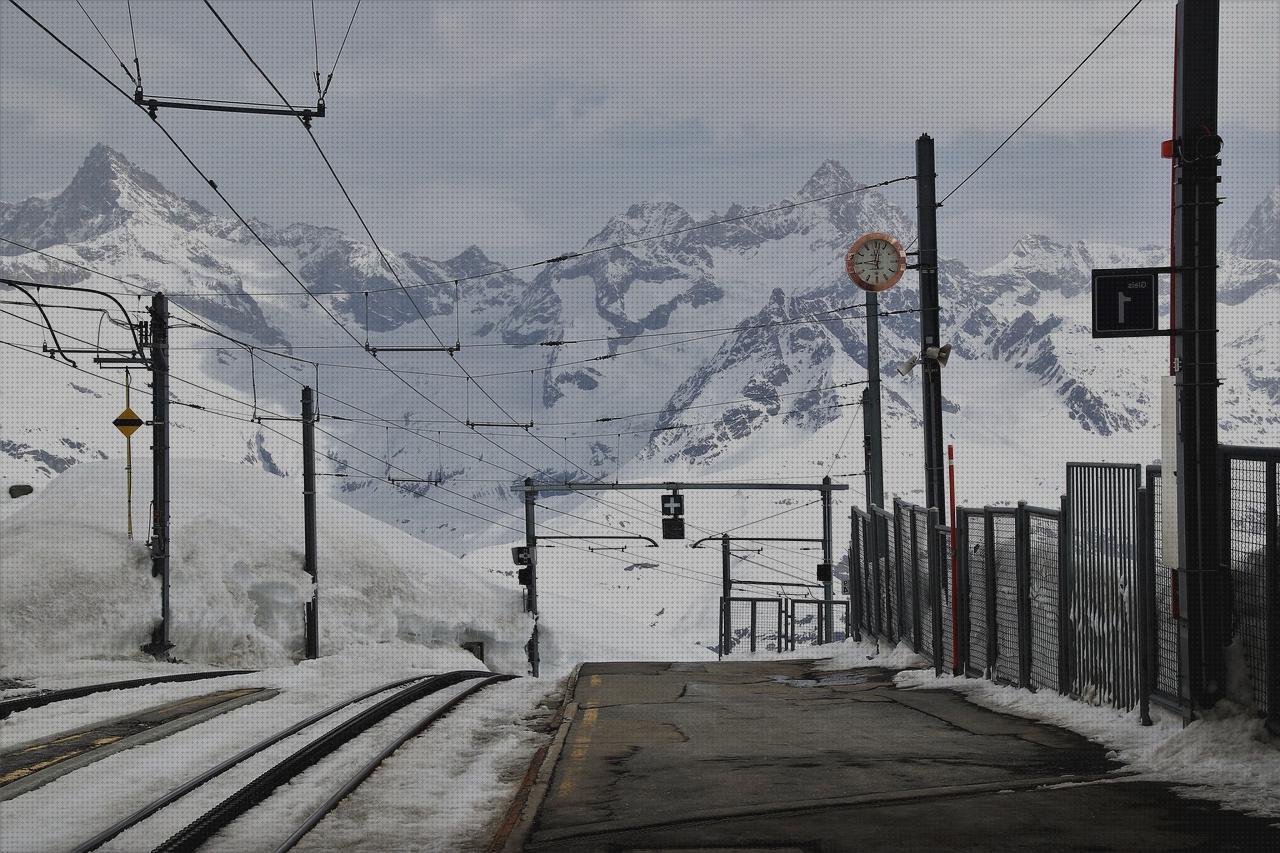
(76, 588)
(464, 771)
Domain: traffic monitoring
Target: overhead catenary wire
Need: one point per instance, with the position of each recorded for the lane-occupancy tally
(681, 571)
(97, 29)
(243, 220)
(213, 185)
(255, 418)
(387, 263)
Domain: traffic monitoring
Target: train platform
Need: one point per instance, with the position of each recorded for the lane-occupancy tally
(777, 756)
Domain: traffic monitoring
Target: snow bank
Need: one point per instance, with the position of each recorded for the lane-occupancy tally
(1227, 756)
(74, 587)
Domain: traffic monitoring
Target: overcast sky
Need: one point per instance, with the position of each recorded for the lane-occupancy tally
(522, 127)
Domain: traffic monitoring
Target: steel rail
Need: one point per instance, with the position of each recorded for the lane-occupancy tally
(367, 770)
(48, 697)
(203, 828)
(137, 817)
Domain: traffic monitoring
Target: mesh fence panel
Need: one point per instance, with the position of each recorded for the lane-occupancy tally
(923, 601)
(942, 539)
(976, 561)
(1168, 673)
(1248, 568)
(807, 620)
(905, 575)
(864, 588)
(766, 625)
(889, 581)
(1004, 553)
(1102, 499)
(1044, 599)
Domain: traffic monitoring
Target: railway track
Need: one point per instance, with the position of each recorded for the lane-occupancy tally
(48, 697)
(403, 693)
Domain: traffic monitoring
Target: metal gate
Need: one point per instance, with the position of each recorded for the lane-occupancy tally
(756, 622)
(806, 629)
(1102, 501)
(1253, 554)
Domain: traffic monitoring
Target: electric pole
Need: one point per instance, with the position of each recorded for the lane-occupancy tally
(530, 572)
(930, 333)
(159, 542)
(312, 610)
(828, 573)
(726, 590)
(1202, 583)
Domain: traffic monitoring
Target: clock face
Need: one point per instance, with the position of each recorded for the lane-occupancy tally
(875, 262)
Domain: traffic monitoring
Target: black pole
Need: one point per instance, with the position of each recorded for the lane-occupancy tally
(159, 542)
(871, 408)
(531, 587)
(726, 591)
(309, 519)
(827, 612)
(930, 333)
(1207, 627)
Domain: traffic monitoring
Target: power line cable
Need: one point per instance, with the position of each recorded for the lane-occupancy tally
(92, 23)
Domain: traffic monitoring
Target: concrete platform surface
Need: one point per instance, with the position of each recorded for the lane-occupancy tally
(755, 756)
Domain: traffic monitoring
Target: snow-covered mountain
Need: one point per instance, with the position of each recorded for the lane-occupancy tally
(748, 338)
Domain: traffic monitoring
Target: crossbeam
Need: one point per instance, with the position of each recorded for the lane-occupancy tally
(552, 488)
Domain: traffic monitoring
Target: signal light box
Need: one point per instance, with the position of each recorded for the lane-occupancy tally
(1126, 302)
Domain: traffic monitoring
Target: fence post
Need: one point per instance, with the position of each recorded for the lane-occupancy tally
(961, 546)
(753, 625)
(1146, 590)
(993, 624)
(874, 599)
(1022, 568)
(936, 567)
(1271, 568)
(1065, 592)
(720, 646)
(778, 644)
(898, 586)
(916, 631)
(855, 573)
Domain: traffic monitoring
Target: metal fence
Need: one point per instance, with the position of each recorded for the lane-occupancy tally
(1253, 555)
(757, 623)
(1077, 598)
(803, 622)
(1168, 681)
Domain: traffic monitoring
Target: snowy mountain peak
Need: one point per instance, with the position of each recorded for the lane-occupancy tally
(1031, 245)
(1260, 236)
(643, 220)
(106, 191)
(830, 178)
(107, 176)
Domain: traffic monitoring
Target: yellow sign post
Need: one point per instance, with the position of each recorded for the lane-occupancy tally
(128, 422)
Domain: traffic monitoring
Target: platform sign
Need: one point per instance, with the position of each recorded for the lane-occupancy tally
(1126, 302)
(673, 527)
(673, 505)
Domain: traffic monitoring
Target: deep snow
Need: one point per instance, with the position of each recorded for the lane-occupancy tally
(76, 588)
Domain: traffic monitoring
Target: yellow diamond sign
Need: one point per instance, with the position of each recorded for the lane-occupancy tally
(128, 422)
